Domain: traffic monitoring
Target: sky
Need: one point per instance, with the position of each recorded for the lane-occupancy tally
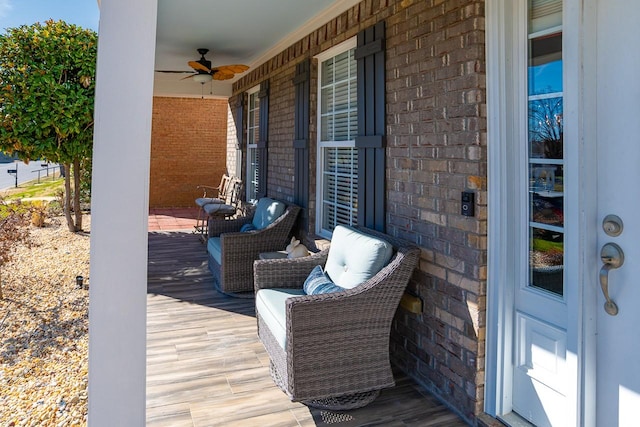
(13, 13)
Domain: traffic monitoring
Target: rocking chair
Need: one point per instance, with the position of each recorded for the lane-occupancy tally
(210, 195)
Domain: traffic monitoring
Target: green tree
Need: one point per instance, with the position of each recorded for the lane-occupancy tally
(47, 86)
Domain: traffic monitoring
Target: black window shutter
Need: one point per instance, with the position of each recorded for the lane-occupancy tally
(370, 142)
(263, 137)
(301, 138)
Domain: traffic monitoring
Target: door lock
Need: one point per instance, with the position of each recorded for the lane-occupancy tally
(612, 258)
(612, 225)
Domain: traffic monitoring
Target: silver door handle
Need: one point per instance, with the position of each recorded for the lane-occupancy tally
(612, 257)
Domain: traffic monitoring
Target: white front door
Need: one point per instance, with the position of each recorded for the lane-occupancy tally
(544, 279)
(555, 356)
(534, 221)
(617, 130)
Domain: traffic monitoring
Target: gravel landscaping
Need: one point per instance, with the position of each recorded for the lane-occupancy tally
(44, 329)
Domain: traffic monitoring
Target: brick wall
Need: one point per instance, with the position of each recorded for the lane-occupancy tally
(436, 148)
(188, 148)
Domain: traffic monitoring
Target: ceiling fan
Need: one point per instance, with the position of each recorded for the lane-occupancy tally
(204, 72)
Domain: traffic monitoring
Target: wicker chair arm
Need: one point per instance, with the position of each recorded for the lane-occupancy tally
(219, 226)
(286, 273)
(257, 241)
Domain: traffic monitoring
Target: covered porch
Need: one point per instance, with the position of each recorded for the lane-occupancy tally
(429, 146)
(206, 366)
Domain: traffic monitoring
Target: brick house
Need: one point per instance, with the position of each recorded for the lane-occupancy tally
(390, 113)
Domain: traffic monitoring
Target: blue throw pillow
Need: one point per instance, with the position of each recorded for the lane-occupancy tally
(247, 227)
(319, 283)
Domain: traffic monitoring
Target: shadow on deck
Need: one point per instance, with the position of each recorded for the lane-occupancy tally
(206, 366)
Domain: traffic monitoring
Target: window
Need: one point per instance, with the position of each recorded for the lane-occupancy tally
(545, 146)
(253, 125)
(338, 127)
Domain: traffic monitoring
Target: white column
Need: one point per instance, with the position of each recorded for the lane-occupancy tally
(118, 280)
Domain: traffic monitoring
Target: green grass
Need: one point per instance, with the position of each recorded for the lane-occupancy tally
(46, 188)
(547, 246)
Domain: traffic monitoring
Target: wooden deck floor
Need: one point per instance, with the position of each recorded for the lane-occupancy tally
(206, 367)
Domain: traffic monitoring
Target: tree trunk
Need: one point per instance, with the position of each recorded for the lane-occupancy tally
(76, 194)
(67, 198)
(1, 296)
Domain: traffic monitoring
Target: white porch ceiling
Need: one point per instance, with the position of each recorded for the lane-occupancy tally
(235, 32)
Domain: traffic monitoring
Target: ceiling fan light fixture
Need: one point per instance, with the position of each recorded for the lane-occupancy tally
(202, 78)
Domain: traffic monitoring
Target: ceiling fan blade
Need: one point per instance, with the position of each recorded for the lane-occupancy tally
(198, 66)
(221, 75)
(188, 77)
(233, 68)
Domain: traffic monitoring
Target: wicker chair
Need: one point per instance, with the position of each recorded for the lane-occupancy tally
(336, 352)
(231, 252)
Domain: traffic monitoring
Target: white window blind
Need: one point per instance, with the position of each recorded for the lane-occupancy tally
(544, 14)
(253, 126)
(340, 187)
(337, 155)
(339, 120)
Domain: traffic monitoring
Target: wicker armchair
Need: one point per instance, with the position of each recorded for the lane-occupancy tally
(336, 352)
(231, 252)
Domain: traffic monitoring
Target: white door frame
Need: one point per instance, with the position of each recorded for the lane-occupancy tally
(503, 62)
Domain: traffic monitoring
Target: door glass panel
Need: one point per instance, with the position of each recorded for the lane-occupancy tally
(545, 147)
(545, 127)
(545, 64)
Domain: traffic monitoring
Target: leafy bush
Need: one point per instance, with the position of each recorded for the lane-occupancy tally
(14, 230)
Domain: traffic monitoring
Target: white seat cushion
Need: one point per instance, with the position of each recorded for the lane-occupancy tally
(270, 306)
(355, 257)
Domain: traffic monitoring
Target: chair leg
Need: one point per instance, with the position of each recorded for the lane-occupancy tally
(204, 228)
(201, 224)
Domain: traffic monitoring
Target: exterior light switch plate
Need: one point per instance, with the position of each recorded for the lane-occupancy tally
(467, 203)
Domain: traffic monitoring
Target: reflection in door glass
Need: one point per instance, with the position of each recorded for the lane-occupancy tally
(545, 64)
(546, 157)
(545, 127)
(546, 198)
(546, 259)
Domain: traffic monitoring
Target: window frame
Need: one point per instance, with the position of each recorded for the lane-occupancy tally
(251, 188)
(321, 145)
